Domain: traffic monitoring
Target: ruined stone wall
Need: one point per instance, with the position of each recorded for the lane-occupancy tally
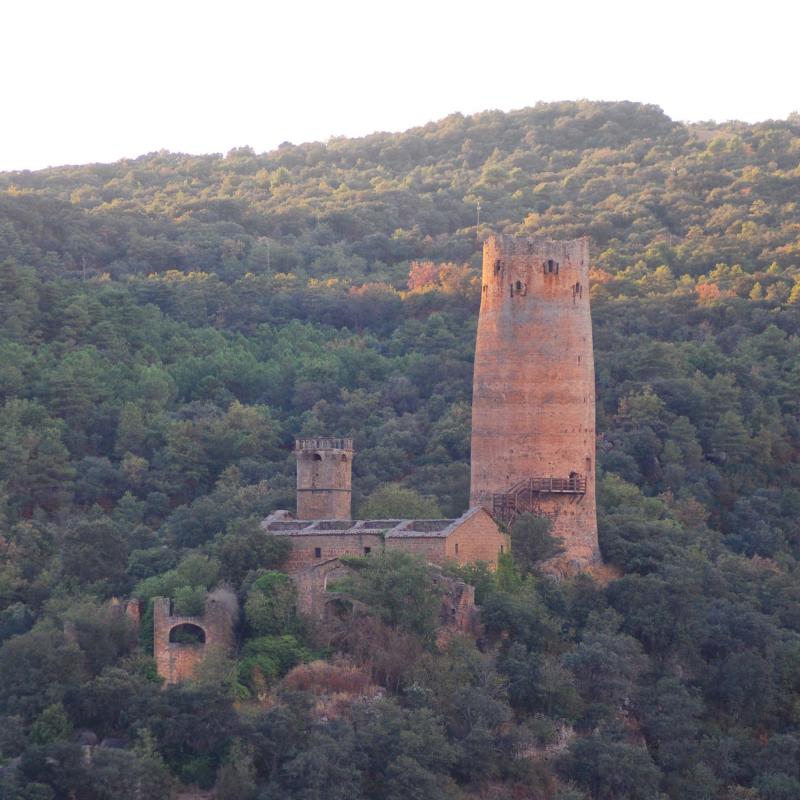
(324, 475)
(533, 406)
(310, 549)
(476, 539)
(312, 584)
(177, 661)
(457, 612)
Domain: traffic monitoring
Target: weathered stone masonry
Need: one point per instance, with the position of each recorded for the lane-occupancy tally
(533, 404)
(472, 537)
(177, 660)
(324, 470)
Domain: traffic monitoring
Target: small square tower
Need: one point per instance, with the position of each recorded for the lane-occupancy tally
(324, 470)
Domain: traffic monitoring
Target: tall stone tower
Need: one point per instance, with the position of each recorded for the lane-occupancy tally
(533, 404)
(324, 468)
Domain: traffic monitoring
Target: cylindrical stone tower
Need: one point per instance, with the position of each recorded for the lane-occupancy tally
(324, 468)
(533, 404)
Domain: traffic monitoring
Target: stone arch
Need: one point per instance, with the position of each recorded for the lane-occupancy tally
(332, 575)
(180, 643)
(336, 608)
(187, 633)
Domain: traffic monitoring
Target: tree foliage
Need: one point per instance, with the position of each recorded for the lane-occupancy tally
(168, 326)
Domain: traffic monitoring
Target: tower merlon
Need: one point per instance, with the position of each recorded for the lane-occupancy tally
(323, 443)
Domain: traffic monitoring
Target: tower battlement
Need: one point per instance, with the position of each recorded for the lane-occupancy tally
(535, 267)
(323, 443)
(533, 406)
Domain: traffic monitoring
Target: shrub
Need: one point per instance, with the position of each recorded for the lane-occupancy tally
(321, 677)
(270, 607)
(267, 658)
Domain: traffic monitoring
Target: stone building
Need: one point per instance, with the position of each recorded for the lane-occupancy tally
(533, 404)
(180, 643)
(324, 466)
(474, 536)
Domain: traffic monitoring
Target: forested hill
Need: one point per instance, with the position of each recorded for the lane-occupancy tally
(169, 324)
(643, 187)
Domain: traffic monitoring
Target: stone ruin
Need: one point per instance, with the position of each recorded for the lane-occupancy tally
(181, 643)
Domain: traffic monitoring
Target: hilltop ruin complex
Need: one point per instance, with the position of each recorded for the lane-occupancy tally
(533, 450)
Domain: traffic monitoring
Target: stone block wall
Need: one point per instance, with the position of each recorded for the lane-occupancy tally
(477, 538)
(312, 584)
(178, 661)
(309, 549)
(431, 548)
(324, 478)
(533, 408)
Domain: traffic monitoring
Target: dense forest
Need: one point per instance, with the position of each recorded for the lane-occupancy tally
(169, 324)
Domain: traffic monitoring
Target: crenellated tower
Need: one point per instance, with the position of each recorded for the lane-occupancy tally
(324, 470)
(533, 404)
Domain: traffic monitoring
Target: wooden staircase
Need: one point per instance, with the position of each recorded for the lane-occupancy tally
(526, 496)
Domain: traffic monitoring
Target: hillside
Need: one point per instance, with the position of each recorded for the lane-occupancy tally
(169, 324)
(643, 187)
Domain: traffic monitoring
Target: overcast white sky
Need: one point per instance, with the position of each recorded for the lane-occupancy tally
(90, 81)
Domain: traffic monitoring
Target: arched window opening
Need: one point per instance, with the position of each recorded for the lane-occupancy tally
(187, 634)
(551, 267)
(343, 459)
(317, 457)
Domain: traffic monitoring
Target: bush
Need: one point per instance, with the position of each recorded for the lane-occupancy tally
(321, 677)
(398, 588)
(532, 543)
(189, 601)
(267, 658)
(393, 501)
(270, 608)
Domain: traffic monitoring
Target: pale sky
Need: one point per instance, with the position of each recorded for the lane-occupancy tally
(86, 81)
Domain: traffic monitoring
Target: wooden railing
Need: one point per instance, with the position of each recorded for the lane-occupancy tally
(574, 484)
